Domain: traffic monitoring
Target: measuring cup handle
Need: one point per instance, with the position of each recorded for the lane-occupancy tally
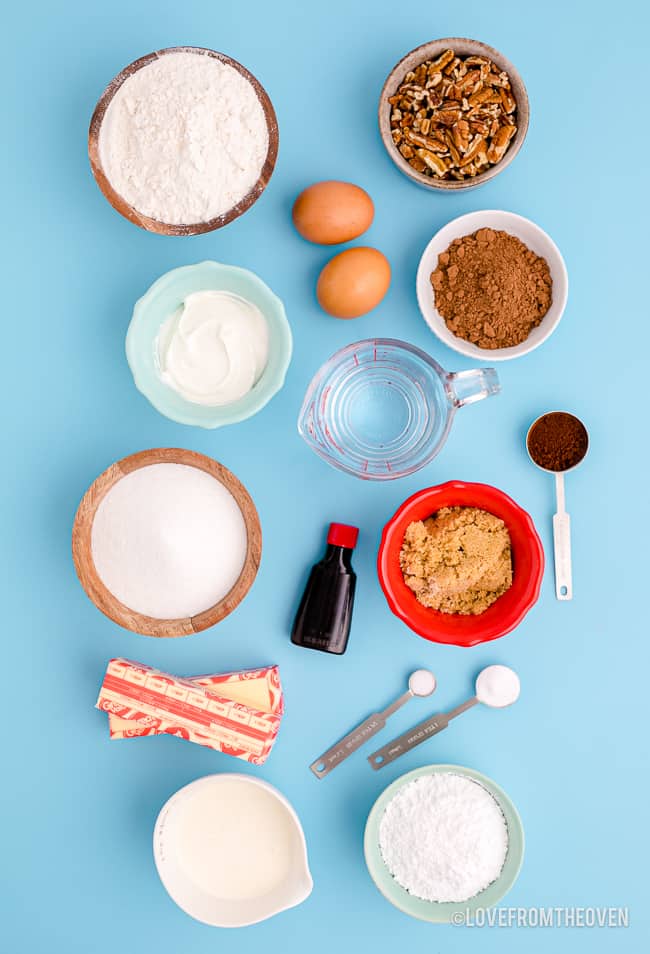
(467, 387)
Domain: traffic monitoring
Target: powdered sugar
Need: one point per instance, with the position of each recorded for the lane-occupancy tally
(184, 138)
(443, 837)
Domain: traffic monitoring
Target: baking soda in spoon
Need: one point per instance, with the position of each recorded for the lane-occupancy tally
(496, 686)
(169, 541)
(422, 682)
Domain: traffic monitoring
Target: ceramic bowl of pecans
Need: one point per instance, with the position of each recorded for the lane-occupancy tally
(453, 114)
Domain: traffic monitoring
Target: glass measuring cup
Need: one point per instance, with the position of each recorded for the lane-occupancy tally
(381, 408)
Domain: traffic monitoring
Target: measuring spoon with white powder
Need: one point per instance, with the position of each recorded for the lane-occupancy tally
(421, 683)
(496, 686)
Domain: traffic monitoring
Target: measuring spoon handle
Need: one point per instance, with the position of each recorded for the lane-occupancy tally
(562, 544)
(348, 744)
(355, 739)
(419, 733)
(562, 554)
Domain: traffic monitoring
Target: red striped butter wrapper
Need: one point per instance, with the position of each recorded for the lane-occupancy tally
(141, 700)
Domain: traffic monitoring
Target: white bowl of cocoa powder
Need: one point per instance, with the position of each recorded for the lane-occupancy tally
(492, 283)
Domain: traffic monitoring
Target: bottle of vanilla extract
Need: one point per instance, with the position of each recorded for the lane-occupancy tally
(325, 612)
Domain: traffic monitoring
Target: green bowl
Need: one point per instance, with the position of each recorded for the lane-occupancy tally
(162, 299)
(446, 911)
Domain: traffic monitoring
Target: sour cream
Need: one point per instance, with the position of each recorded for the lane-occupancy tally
(214, 348)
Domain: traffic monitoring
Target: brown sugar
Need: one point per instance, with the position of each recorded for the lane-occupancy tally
(491, 289)
(457, 561)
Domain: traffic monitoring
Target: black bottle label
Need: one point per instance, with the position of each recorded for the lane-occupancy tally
(324, 615)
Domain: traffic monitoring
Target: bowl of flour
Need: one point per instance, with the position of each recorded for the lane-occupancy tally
(443, 841)
(183, 141)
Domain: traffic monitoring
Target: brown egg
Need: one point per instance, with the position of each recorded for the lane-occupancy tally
(332, 212)
(353, 282)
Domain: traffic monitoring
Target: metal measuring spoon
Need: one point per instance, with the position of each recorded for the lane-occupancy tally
(561, 519)
(421, 683)
(484, 693)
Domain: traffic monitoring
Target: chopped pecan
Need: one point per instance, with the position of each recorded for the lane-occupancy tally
(453, 116)
(480, 127)
(470, 82)
(434, 162)
(483, 96)
(498, 79)
(433, 143)
(460, 133)
(500, 143)
(476, 148)
(443, 60)
(452, 66)
(448, 114)
(507, 101)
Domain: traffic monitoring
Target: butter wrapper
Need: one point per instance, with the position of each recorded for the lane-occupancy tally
(141, 700)
(260, 688)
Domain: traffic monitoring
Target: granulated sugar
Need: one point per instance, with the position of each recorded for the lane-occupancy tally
(443, 837)
(184, 138)
(169, 541)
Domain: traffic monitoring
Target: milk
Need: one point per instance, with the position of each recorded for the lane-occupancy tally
(234, 840)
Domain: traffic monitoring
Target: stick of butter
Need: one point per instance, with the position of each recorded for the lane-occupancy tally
(155, 702)
(259, 688)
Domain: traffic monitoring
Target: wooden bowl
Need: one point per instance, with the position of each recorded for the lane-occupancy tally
(106, 601)
(462, 47)
(194, 228)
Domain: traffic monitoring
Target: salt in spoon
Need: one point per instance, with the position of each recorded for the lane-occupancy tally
(496, 686)
(421, 683)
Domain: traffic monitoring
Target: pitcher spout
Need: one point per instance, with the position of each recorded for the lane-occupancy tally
(299, 889)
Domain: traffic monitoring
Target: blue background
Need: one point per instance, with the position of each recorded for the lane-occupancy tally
(76, 846)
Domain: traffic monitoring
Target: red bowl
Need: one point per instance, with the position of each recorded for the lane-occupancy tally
(504, 614)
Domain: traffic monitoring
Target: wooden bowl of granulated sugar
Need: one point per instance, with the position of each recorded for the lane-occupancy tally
(153, 148)
(166, 542)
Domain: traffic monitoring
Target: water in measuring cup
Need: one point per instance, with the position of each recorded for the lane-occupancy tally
(380, 415)
(376, 409)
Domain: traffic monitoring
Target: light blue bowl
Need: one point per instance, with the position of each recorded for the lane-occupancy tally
(162, 299)
(447, 911)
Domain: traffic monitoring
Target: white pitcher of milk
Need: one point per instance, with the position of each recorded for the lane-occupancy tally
(230, 851)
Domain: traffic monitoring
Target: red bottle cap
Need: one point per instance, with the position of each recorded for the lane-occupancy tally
(342, 535)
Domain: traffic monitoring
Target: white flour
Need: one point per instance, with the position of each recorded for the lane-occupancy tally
(443, 837)
(184, 139)
(169, 541)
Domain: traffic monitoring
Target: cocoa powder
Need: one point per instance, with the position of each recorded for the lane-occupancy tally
(491, 289)
(557, 441)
